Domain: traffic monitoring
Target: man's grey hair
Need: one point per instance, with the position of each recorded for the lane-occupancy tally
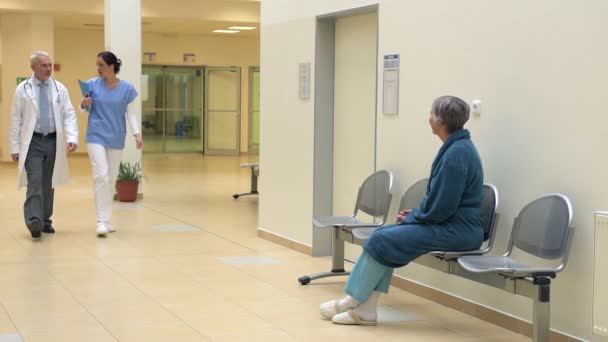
(451, 111)
(35, 57)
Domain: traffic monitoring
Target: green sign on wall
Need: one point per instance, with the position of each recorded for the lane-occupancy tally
(21, 79)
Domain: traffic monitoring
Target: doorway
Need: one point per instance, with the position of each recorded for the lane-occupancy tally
(172, 102)
(222, 111)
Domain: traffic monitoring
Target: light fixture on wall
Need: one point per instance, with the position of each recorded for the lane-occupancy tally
(243, 28)
(225, 31)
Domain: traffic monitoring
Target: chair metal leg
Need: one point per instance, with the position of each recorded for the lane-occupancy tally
(542, 315)
(254, 182)
(254, 186)
(337, 260)
(337, 256)
(245, 194)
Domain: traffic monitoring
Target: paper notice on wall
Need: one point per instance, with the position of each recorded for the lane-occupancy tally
(390, 85)
(304, 81)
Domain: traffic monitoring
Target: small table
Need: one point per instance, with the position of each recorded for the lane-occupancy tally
(255, 172)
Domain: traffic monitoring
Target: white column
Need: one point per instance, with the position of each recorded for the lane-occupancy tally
(20, 35)
(123, 38)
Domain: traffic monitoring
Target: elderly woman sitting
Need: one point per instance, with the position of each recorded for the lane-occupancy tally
(448, 218)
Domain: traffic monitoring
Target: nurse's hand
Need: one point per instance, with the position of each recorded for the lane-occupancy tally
(139, 142)
(15, 157)
(87, 101)
(72, 147)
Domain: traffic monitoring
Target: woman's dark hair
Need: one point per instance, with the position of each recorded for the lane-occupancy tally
(111, 59)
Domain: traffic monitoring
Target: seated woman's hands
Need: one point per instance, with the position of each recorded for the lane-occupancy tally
(402, 214)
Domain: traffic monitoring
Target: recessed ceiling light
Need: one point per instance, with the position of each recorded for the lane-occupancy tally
(225, 31)
(245, 28)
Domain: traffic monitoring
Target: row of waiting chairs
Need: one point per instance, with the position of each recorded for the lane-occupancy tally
(542, 228)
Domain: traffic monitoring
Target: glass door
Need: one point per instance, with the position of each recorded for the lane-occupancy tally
(254, 110)
(172, 99)
(183, 109)
(222, 111)
(152, 104)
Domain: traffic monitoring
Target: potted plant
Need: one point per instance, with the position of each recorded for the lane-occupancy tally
(127, 182)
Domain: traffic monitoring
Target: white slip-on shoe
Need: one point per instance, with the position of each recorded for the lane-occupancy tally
(330, 309)
(351, 317)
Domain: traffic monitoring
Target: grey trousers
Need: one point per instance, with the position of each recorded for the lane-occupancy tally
(39, 165)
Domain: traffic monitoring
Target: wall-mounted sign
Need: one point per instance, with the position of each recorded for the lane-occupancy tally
(189, 58)
(304, 81)
(21, 79)
(149, 57)
(390, 85)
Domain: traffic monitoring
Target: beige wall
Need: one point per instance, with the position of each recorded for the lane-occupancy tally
(540, 69)
(21, 35)
(76, 50)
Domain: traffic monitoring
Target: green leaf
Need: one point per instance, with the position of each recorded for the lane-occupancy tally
(130, 172)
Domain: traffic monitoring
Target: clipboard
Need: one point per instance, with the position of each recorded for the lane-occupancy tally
(84, 88)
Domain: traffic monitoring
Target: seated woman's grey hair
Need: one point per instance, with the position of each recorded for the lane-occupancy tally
(451, 111)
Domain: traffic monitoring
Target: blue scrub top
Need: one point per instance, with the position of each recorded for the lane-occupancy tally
(107, 122)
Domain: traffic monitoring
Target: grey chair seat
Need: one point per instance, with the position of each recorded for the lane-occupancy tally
(373, 200)
(363, 233)
(341, 221)
(500, 264)
(449, 255)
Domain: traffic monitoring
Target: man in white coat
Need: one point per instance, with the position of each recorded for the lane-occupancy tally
(42, 122)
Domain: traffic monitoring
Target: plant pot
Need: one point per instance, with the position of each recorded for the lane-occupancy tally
(127, 190)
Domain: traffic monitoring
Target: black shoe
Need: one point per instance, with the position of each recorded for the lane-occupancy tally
(36, 229)
(48, 229)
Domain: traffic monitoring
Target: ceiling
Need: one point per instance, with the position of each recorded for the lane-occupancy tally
(174, 17)
(160, 25)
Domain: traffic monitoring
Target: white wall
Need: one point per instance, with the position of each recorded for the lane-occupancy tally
(540, 69)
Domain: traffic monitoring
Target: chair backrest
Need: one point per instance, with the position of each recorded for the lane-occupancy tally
(542, 227)
(489, 207)
(413, 195)
(374, 196)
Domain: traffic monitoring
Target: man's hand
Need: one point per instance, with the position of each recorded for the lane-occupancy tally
(72, 147)
(402, 215)
(15, 157)
(139, 142)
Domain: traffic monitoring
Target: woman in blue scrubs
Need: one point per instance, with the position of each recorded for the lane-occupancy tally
(447, 218)
(109, 104)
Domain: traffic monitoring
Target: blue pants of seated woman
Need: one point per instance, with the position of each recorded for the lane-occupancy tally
(367, 276)
(398, 245)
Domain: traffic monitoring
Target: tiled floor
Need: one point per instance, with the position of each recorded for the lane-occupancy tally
(185, 265)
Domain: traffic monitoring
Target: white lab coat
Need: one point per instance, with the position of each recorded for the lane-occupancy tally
(24, 115)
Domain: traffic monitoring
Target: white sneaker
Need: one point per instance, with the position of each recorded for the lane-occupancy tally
(110, 227)
(102, 229)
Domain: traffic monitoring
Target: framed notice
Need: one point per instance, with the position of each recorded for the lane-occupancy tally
(390, 85)
(304, 82)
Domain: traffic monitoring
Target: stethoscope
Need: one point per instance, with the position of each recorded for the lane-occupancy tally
(31, 87)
